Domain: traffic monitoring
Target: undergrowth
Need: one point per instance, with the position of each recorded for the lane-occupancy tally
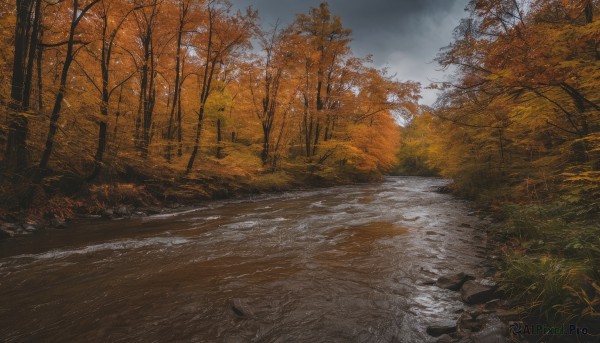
(551, 265)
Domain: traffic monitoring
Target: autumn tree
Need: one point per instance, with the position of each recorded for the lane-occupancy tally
(223, 34)
(146, 20)
(273, 66)
(327, 41)
(26, 45)
(118, 82)
(186, 11)
(526, 87)
(78, 13)
(111, 16)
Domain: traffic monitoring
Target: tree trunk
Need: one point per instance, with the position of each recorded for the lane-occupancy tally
(26, 35)
(209, 69)
(190, 164)
(77, 15)
(219, 148)
(176, 92)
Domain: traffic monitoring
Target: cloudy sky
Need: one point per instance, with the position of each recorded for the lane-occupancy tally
(403, 35)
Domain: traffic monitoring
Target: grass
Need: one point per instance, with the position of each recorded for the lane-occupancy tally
(551, 262)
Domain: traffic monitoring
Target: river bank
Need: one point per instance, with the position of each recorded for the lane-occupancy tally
(68, 197)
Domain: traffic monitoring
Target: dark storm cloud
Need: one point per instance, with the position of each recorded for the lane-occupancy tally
(402, 35)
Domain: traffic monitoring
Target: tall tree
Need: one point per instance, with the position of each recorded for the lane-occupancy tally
(26, 45)
(147, 20)
(328, 41)
(223, 34)
(185, 8)
(273, 64)
(110, 11)
(78, 13)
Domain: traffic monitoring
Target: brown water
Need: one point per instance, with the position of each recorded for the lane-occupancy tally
(345, 264)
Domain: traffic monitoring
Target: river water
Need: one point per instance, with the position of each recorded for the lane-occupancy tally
(343, 264)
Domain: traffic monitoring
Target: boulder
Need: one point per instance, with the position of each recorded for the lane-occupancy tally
(453, 281)
(475, 292)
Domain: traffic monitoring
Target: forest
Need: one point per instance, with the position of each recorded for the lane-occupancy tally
(151, 102)
(517, 128)
(119, 93)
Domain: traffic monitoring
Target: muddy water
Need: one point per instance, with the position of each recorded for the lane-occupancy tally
(345, 264)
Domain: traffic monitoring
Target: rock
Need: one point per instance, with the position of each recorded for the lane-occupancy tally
(465, 225)
(445, 338)
(453, 282)
(469, 323)
(240, 308)
(494, 331)
(58, 223)
(108, 213)
(474, 292)
(122, 211)
(488, 282)
(443, 190)
(438, 330)
(29, 228)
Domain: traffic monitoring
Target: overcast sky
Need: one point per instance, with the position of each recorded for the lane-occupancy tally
(403, 35)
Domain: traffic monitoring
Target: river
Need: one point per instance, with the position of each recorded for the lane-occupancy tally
(342, 264)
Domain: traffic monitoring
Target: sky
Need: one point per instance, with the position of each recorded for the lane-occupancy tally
(402, 35)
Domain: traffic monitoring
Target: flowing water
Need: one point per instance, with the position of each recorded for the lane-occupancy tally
(344, 264)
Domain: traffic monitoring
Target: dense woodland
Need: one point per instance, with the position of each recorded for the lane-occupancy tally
(108, 91)
(517, 127)
(111, 100)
